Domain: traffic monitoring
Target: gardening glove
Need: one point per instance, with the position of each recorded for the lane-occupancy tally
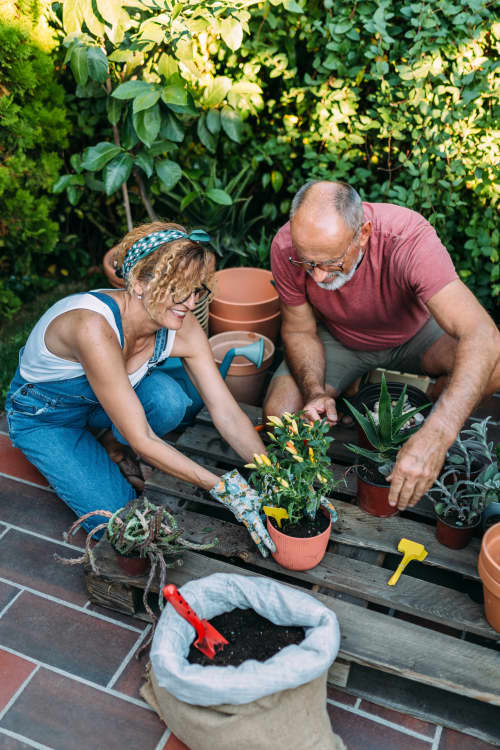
(234, 492)
(325, 503)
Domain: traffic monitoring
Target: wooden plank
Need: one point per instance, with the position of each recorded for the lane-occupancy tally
(375, 640)
(346, 575)
(361, 529)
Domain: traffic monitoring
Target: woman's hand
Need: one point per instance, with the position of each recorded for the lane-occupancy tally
(234, 492)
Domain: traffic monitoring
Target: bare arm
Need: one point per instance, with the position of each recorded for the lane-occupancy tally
(305, 356)
(478, 349)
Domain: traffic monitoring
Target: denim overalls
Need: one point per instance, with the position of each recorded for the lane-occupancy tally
(49, 422)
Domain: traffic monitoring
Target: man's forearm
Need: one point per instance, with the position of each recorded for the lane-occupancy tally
(476, 357)
(305, 355)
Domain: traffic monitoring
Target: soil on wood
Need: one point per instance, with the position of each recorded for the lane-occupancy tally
(250, 636)
(306, 528)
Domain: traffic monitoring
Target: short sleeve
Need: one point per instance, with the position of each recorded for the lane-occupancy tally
(290, 282)
(422, 262)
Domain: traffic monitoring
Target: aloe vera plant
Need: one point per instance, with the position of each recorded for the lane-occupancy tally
(388, 435)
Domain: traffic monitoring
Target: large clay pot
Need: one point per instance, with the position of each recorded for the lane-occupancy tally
(244, 380)
(489, 571)
(454, 537)
(269, 326)
(244, 294)
(373, 497)
(298, 553)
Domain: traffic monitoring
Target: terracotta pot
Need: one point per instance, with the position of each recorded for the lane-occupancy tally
(373, 498)
(244, 380)
(110, 271)
(265, 326)
(133, 565)
(489, 571)
(455, 537)
(296, 553)
(244, 294)
(174, 743)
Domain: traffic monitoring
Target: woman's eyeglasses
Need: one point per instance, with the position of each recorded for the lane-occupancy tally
(200, 294)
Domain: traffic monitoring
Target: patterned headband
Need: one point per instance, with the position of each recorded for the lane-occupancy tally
(151, 242)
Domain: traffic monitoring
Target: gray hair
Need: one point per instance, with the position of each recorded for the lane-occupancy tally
(345, 199)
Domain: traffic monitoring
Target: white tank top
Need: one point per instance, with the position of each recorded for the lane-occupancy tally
(38, 364)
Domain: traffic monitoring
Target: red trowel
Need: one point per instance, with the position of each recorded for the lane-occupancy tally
(209, 640)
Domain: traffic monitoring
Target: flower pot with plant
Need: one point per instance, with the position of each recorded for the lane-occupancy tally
(294, 479)
(386, 429)
(146, 539)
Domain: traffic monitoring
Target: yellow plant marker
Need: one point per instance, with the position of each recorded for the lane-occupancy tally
(277, 513)
(411, 551)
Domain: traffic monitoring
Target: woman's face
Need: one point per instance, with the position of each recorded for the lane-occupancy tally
(171, 313)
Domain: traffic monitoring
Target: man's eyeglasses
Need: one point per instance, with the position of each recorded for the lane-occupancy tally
(335, 264)
(200, 294)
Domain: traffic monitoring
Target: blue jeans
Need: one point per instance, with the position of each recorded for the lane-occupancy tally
(49, 422)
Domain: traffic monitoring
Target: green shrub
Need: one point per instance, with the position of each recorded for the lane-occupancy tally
(33, 128)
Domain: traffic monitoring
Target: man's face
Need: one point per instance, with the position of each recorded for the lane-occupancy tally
(326, 240)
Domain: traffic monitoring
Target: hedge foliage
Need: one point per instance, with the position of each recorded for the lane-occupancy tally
(216, 111)
(33, 128)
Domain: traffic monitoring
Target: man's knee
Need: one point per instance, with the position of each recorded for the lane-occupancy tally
(282, 395)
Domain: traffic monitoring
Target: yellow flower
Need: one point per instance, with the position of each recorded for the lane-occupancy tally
(265, 460)
(257, 459)
(271, 435)
(311, 455)
(291, 448)
(299, 459)
(276, 421)
(293, 427)
(250, 466)
(287, 416)
(321, 478)
(283, 482)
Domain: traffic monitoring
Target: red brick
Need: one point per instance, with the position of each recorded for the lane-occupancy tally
(339, 695)
(174, 743)
(15, 464)
(360, 733)
(13, 672)
(396, 717)
(6, 594)
(452, 740)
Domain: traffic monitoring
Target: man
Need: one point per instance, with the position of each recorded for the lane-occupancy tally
(386, 294)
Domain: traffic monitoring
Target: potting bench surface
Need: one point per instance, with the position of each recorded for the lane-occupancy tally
(428, 632)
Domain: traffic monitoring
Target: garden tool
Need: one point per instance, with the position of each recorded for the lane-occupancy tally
(209, 640)
(173, 366)
(411, 551)
(277, 513)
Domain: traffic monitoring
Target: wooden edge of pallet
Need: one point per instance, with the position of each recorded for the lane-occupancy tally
(372, 639)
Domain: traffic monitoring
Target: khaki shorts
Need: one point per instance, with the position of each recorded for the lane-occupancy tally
(344, 365)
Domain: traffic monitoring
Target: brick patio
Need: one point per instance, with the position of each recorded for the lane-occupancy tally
(68, 676)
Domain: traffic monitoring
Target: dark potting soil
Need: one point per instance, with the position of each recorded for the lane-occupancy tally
(311, 527)
(370, 473)
(250, 636)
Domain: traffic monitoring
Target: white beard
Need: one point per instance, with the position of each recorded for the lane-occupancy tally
(339, 279)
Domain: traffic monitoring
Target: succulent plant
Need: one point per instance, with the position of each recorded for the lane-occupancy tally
(389, 433)
(471, 451)
(463, 501)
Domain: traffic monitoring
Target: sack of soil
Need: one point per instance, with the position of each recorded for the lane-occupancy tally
(279, 703)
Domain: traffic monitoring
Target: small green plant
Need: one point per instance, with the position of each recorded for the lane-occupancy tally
(471, 451)
(295, 473)
(389, 432)
(143, 529)
(462, 502)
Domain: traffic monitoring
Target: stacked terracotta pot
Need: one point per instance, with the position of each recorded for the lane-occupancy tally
(489, 571)
(245, 299)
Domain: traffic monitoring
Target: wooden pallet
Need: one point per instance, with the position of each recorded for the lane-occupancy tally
(428, 629)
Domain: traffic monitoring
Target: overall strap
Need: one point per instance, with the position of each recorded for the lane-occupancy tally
(160, 343)
(113, 306)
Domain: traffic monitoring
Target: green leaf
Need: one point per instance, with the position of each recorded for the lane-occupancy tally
(131, 89)
(231, 31)
(145, 162)
(61, 184)
(232, 124)
(95, 157)
(177, 10)
(169, 173)
(205, 136)
(189, 198)
(79, 64)
(276, 180)
(292, 7)
(146, 100)
(114, 110)
(174, 94)
(128, 136)
(171, 128)
(216, 92)
(219, 196)
(74, 194)
(147, 124)
(98, 64)
(117, 172)
(213, 121)
(385, 413)
(76, 162)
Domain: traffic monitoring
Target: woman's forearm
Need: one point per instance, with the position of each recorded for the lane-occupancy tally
(168, 459)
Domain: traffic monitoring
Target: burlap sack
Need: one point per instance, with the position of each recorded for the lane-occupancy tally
(294, 719)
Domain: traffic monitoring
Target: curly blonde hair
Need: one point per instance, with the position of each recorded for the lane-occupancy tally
(173, 269)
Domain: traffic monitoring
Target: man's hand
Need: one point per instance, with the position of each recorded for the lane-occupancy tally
(321, 407)
(418, 464)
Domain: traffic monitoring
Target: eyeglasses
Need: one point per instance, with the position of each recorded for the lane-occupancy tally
(335, 264)
(200, 293)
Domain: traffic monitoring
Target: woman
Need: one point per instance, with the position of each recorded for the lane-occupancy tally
(91, 362)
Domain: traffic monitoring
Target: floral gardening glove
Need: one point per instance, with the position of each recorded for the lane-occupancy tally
(245, 503)
(326, 504)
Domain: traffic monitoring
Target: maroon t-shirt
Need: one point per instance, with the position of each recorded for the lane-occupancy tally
(383, 305)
